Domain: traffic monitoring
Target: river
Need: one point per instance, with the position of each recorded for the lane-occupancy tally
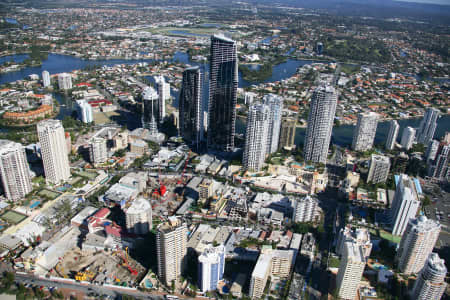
(56, 63)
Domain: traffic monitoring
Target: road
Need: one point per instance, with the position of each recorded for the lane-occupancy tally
(89, 288)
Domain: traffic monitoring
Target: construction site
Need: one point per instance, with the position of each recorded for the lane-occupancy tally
(167, 191)
(100, 267)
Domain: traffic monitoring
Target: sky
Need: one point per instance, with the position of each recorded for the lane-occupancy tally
(444, 2)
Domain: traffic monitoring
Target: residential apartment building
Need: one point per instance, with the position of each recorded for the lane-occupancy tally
(365, 130)
(430, 283)
(320, 124)
(378, 169)
(14, 171)
(171, 241)
(256, 136)
(405, 204)
(392, 135)
(223, 83)
(54, 151)
(416, 244)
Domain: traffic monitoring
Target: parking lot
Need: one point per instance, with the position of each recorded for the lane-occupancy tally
(439, 210)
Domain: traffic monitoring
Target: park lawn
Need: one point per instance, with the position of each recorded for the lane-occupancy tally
(48, 194)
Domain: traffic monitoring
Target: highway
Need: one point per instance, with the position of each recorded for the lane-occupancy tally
(85, 288)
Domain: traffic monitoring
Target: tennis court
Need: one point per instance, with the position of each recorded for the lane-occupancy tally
(13, 217)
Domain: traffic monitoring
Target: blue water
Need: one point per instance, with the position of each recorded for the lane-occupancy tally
(11, 21)
(15, 58)
(210, 25)
(182, 32)
(268, 40)
(57, 63)
(34, 204)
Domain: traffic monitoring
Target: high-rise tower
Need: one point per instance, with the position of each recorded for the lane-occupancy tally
(150, 110)
(256, 136)
(223, 85)
(320, 124)
(392, 135)
(54, 151)
(425, 133)
(14, 170)
(364, 133)
(190, 106)
(275, 104)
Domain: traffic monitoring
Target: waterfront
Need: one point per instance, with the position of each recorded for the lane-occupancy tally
(56, 63)
(342, 135)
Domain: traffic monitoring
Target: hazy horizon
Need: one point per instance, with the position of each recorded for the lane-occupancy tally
(441, 2)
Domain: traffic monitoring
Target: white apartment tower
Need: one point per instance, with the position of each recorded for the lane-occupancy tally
(14, 170)
(430, 284)
(98, 152)
(274, 263)
(163, 89)
(416, 244)
(84, 110)
(408, 136)
(139, 216)
(392, 135)
(432, 150)
(46, 79)
(65, 81)
(427, 127)
(256, 136)
(360, 236)
(438, 168)
(275, 104)
(404, 205)
(306, 209)
(365, 130)
(171, 242)
(379, 169)
(211, 266)
(320, 124)
(54, 151)
(350, 271)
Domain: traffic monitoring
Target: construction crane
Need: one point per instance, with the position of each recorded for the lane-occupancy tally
(181, 181)
(125, 263)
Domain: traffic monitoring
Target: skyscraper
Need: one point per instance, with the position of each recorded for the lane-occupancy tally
(64, 81)
(287, 132)
(378, 169)
(425, 133)
(84, 110)
(360, 236)
(46, 79)
(392, 135)
(98, 152)
(416, 244)
(223, 85)
(256, 136)
(438, 168)
(364, 133)
(150, 110)
(171, 242)
(54, 151)
(275, 104)
(306, 209)
(350, 271)
(14, 170)
(211, 266)
(320, 124)
(430, 284)
(138, 216)
(432, 149)
(408, 137)
(163, 89)
(190, 106)
(405, 204)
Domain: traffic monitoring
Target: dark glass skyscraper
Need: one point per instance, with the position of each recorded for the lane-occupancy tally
(190, 106)
(223, 85)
